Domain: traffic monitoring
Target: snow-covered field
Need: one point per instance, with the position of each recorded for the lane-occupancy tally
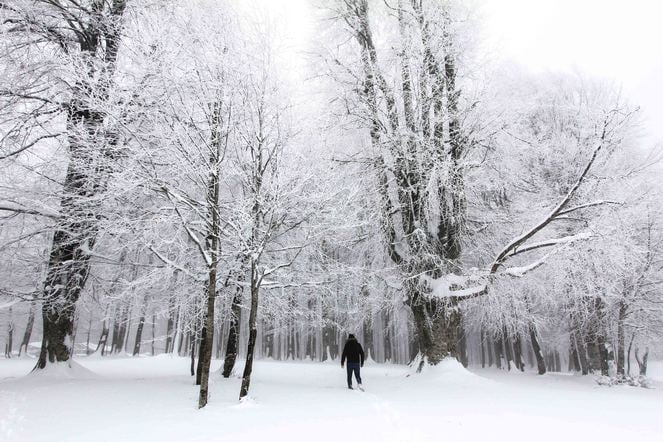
(153, 399)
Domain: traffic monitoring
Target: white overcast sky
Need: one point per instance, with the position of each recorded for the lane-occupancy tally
(618, 40)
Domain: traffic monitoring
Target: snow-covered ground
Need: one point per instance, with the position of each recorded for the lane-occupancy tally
(153, 399)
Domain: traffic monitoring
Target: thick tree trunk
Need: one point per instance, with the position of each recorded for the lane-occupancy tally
(76, 232)
(438, 330)
(68, 270)
(437, 326)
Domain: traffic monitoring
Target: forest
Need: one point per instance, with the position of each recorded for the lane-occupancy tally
(177, 178)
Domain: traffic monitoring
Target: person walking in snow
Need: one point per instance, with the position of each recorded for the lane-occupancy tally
(355, 355)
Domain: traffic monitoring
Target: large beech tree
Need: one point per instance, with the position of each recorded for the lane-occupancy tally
(86, 34)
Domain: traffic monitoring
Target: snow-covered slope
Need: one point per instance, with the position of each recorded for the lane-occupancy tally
(153, 399)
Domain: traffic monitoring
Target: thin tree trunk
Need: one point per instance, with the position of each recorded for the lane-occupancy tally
(173, 313)
(253, 316)
(557, 361)
(89, 332)
(574, 357)
(518, 352)
(154, 326)
(10, 334)
(232, 345)
(540, 362)
(621, 338)
(508, 349)
(139, 328)
(497, 349)
(193, 338)
(582, 353)
(28, 330)
(628, 356)
(642, 363)
(103, 338)
(482, 338)
(208, 332)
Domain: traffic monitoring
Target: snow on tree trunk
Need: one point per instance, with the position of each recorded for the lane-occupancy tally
(621, 338)
(139, 328)
(253, 319)
(25, 342)
(89, 144)
(232, 346)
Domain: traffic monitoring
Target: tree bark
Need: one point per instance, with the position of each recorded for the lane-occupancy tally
(172, 316)
(642, 363)
(438, 330)
(139, 328)
(628, 355)
(208, 336)
(232, 347)
(508, 349)
(253, 316)
(518, 352)
(540, 362)
(497, 349)
(103, 338)
(581, 348)
(10, 334)
(87, 341)
(28, 330)
(212, 247)
(154, 326)
(76, 232)
(621, 338)
(482, 339)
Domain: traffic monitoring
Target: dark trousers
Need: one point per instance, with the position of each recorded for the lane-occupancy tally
(353, 367)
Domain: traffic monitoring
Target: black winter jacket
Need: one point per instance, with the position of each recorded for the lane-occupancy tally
(353, 352)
